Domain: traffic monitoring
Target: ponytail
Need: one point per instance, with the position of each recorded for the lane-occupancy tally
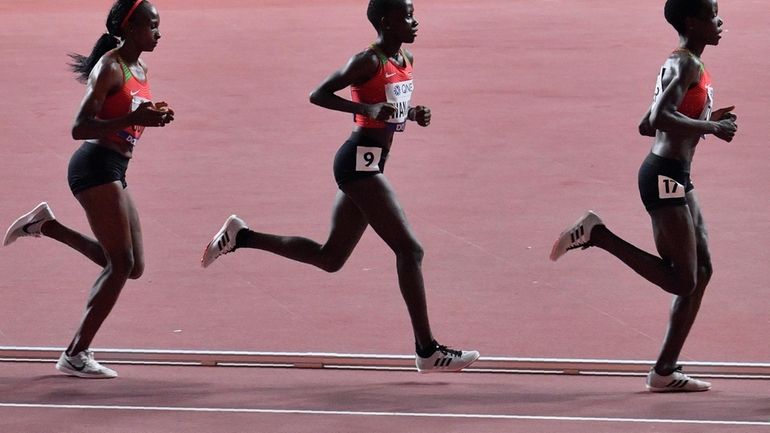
(82, 65)
(120, 12)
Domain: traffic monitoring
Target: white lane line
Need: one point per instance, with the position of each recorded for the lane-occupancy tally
(390, 414)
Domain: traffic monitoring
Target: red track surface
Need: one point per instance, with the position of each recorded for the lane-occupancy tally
(200, 399)
(535, 108)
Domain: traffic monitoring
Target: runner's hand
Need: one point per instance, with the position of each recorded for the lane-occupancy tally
(163, 106)
(726, 127)
(722, 112)
(381, 111)
(421, 115)
(146, 115)
(646, 129)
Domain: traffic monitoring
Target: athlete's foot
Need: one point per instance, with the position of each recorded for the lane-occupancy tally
(83, 365)
(576, 236)
(29, 224)
(224, 241)
(675, 382)
(444, 359)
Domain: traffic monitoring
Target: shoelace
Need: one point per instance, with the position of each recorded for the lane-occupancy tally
(447, 351)
(581, 245)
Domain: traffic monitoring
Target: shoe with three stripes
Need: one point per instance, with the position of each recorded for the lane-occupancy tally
(576, 236)
(224, 241)
(445, 359)
(675, 382)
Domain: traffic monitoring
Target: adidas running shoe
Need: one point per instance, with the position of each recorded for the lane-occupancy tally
(224, 241)
(445, 359)
(675, 382)
(576, 236)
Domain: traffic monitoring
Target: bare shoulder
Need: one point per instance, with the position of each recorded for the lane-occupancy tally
(366, 60)
(686, 66)
(107, 69)
(362, 66)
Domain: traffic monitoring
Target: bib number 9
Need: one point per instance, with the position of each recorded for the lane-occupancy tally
(368, 158)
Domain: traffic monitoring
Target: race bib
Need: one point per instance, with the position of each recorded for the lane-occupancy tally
(368, 158)
(399, 94)
(669, 188)
(132, 133)
(706, 114)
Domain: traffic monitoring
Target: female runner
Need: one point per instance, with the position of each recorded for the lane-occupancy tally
(678, 118)
(380, 78)
(112, 116)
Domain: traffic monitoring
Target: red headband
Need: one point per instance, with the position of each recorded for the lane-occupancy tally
(130, 12)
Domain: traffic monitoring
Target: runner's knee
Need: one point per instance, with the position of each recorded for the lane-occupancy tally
(411, 251)
(122, 265)
(705, 271)
(332, 264)
(687, 282)
(137, 270)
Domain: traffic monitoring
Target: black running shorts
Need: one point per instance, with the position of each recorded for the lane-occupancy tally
(93, 165)
(357, 159)
(664, 182)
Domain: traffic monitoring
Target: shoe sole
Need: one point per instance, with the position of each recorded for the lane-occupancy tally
(664, 390)
(20, 223)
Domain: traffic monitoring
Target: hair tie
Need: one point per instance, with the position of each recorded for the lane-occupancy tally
(130, 12)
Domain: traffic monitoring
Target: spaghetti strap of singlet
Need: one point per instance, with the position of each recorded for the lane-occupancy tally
(379, 53)
(384, 58)
(126, 71)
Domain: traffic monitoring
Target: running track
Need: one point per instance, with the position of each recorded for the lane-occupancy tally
(535, 107)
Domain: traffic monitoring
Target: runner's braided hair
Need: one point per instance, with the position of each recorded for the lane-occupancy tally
(82, 65)
(677, 11)
(377, 10)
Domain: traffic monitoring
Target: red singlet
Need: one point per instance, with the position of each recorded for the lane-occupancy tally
(393, 84)
(698, 99)
(123, 102)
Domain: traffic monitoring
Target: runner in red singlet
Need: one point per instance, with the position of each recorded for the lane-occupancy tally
(380, 78)
(112, 116)
(678, 118)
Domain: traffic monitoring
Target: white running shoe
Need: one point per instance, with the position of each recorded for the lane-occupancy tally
(577, 236)
(83, 365)
(29, 224)
(224, 240)
(675, 382)
(446, 360)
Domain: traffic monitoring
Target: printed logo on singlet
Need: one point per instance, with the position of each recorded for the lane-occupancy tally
(669, 188)
(399, 94)
(368, 158)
